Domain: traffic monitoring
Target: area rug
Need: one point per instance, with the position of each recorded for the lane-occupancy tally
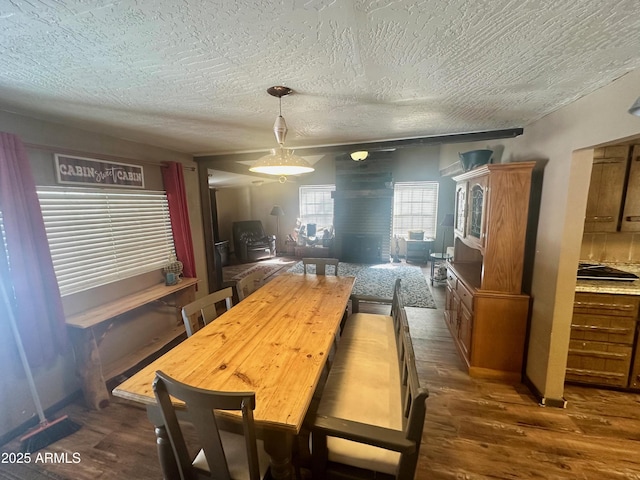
(378, 281)
(266, 267)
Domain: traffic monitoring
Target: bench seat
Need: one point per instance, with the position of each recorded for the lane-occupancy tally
(371, 413)
(365, 366)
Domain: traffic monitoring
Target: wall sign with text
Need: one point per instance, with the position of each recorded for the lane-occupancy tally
(88, 171)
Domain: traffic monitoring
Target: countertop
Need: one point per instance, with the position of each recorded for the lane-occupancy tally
(612, 286)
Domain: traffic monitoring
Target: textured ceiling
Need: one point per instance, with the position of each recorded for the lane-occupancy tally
(192, 75)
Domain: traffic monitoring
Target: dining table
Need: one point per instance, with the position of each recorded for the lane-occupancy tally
(275, 342)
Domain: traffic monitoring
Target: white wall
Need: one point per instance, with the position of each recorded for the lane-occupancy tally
(557, 140)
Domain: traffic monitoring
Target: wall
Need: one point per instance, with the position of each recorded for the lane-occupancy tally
(420, 163)
(563, 142)
(57, 381)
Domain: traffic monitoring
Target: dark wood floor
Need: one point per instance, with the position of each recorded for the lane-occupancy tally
(474, 428)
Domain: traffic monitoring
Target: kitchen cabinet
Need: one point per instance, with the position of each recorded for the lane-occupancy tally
(485, 310)
(604, 201)
(603, 333)
(631, 212)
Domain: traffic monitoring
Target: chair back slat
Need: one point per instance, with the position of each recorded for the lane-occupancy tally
(249, 284)
(321, 264)
(204, 309)
(199, 407)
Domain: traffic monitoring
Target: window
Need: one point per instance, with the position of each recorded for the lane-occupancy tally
(415, 207)
(101, 236)
(316, 205)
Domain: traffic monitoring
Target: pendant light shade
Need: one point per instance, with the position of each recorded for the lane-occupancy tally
(281, 161)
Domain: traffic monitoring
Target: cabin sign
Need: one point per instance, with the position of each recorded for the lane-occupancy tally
(89, 171)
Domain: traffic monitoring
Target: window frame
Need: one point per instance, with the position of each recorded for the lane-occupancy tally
(321, 190)
(102, 236)
(426, 192)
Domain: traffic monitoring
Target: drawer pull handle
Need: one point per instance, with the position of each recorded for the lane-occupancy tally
(599, 354)
(593, 328)
(599, 219)
(604, 306)
(633, 218)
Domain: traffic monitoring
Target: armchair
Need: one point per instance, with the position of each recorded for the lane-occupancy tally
(251, 243)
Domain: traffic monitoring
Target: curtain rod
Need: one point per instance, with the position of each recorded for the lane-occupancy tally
(99, 156)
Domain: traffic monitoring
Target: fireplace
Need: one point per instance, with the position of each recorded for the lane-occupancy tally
(363, 203)
(361, 248)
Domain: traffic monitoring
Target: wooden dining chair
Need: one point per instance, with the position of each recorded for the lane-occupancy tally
(205, 308)
(249, 284)
(321, 264)
(223, 455)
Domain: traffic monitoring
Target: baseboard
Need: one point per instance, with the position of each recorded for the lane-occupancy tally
(33, 421)
(542, 400)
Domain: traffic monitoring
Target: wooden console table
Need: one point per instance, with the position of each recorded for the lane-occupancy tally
(83, 335)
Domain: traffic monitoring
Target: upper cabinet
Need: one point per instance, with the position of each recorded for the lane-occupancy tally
(606, 189)
(631, 213)
(495, 219)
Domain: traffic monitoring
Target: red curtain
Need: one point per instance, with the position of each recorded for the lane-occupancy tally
(29, 270)
(173, 177)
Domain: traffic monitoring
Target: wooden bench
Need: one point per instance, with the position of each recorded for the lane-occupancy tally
(370, 418)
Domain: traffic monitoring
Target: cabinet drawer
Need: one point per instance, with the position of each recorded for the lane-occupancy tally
(452, 280)
(606, 304)
(598, 363)
(603, 328)
(465, 296)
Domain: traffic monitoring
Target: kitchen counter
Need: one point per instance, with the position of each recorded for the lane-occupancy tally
(612, 286)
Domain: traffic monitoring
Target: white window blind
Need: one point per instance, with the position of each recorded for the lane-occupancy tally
(316, 205)
(101, 236)
(415, 207)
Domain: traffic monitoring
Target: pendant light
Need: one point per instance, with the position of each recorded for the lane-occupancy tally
(281, 161)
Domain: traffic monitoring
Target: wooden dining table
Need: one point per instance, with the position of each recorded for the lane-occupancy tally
(274, 343)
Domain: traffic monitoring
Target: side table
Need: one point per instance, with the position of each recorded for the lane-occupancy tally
(437, 258)
(418, 250)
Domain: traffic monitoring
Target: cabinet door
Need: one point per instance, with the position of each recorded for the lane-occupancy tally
(631, 213)
(460, 211)
(451, 309)
(465, 333)
(477, 211)
(604, 201)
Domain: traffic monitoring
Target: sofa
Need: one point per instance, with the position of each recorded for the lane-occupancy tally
(251, 243)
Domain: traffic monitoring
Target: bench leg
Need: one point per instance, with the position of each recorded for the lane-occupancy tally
(319, 456)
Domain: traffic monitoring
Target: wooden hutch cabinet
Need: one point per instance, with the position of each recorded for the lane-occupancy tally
(486, 310)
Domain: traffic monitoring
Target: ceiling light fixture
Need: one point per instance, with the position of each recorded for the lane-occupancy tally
(281, 160)
(635, 108)
(359, 155)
